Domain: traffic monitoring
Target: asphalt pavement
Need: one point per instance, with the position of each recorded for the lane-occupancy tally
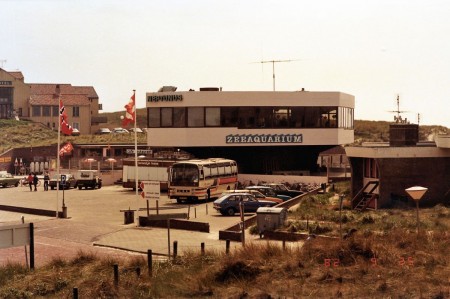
(95, 224)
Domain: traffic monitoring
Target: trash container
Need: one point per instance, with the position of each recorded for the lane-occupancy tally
(128, 216)
(270, 218)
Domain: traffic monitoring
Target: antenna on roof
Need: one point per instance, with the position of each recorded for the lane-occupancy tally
(273, 66)
(2, 62)
(398, 118)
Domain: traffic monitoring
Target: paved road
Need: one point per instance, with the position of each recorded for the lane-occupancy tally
(95, 224)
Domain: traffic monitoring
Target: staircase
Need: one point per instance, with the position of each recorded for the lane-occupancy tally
(365, 196)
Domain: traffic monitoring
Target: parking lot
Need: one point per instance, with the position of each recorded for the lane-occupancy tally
(94, 218)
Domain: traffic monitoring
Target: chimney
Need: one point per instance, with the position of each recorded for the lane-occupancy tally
(403, 134)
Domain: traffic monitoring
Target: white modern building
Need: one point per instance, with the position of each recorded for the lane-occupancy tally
(265, 131)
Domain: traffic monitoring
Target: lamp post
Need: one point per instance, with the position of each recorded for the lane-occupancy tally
(112, 161)
(416, 194)
(90, 160)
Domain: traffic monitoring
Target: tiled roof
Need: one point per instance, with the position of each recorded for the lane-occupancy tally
(17, 75)
(50, 88)
(68, 100)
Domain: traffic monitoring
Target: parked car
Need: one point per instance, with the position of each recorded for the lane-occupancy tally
(88, 179)
(228, 204)
(71, 182)
(256, 194)
(283, 190)
(7, 179)
(102, 131)
(119, 131)
(75, 132)
(138, 130)
(268, 191)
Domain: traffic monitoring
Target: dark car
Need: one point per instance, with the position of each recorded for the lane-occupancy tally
(71, 182)
(229, 204)
(283, 190)
(268, 191)
(102, 131)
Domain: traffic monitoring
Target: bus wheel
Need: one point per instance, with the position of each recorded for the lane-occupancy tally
(230, 212)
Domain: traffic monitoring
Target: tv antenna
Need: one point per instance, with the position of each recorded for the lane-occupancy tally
(2, 61)
(273, 66)
(398, 118)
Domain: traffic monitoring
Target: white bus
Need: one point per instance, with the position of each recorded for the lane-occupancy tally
(190, 180)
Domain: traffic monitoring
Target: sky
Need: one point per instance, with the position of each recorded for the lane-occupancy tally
(374, 50)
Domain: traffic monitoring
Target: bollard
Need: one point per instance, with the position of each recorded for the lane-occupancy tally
(149, 262)
(284, 244)
(206, 209)
(175, 249)
(116, 275)
(189, 212)
(202, 245)
(227, 248)
(75, 293)
(138, 272)
(195, 213)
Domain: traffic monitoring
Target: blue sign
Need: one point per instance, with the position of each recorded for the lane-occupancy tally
(63, 179)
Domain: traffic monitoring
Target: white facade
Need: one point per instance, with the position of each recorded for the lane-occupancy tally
(213, 132)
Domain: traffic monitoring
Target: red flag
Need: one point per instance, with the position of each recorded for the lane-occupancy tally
(65, 127)
(130, 113)
(66, 149)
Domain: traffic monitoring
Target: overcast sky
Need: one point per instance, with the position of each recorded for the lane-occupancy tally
(374, 50)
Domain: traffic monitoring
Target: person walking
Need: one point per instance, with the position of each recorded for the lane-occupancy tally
(30, 181)
(46, 179)
(35, 181)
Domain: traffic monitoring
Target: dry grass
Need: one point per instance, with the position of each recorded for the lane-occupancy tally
(397, 264)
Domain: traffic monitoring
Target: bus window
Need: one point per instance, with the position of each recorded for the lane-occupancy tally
(228, 170)
(214, 171)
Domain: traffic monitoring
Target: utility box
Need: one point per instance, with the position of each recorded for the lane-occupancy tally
(270, 218)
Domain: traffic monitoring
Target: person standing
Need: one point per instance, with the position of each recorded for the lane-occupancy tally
(46, 179)
(208, 193)
(30, 181)
(35, 181)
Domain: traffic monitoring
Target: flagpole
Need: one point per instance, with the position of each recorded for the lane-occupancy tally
(57, 150)
(136, 173)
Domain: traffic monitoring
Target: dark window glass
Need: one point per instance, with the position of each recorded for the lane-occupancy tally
(229, 116)
(36, 110)
(166, 117)
(75, 111)
(154, 117)
(281, 117)
(247, 117)
(312, 117)
(46, 110)
(55, 110)
(196, 117)
(212, 117)
(179, 117)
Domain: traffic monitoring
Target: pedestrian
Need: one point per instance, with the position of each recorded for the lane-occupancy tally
(46, 179)
(30, 181)
(208, 193)
(35, 181)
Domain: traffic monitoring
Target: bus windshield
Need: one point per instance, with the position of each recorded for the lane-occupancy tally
(184, 175)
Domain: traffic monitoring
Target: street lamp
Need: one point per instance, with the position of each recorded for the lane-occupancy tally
(90, 160)
(112, 161)
(416, 194)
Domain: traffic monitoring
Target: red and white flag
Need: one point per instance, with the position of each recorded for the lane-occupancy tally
(130, 113)
(65, 127)
(66, 149)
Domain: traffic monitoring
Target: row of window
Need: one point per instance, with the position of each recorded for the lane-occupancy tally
(251, 117)
(52, 111)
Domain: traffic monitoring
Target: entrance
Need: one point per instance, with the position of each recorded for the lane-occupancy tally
(5, 111)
